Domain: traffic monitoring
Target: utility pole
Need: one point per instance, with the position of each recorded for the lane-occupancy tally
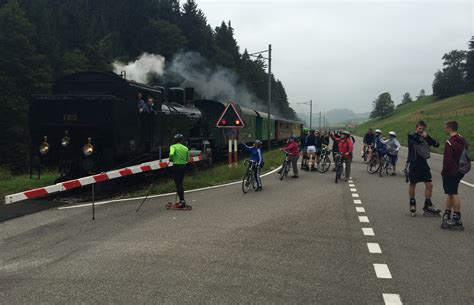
(320, 120)
(310, 103)
(269, 93)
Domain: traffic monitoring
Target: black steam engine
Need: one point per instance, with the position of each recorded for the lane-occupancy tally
(91, 123)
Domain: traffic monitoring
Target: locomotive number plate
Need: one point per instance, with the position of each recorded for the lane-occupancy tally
(69, 117)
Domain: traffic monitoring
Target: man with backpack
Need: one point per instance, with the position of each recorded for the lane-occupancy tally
(456, 163)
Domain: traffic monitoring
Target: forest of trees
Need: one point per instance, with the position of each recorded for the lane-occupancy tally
(41, 41)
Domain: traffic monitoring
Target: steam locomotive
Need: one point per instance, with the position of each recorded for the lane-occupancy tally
(91, 123)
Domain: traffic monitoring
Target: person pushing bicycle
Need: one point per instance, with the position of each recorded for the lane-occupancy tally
(293, 150)
(345, 149)
(257, 157)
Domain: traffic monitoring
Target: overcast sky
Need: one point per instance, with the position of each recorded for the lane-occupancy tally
(342, 54)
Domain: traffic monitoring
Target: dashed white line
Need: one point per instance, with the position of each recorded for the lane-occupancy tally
(350, 181)
(353, 190)
(357, 201)
(374, 248)
(360, 210)
(364, 219)
(351, 185)
(392, 299)
(467, 183)
(368, 231)
(355, 195)
(382, 271)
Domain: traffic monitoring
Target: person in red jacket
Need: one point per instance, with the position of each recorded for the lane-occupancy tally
(293, 150)
(345, 147)
(453, 149)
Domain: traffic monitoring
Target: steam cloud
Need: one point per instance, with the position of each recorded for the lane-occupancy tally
(190, 70)
(143, 69)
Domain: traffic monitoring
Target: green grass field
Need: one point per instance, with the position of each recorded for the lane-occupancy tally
(216, 175)
(434, 112)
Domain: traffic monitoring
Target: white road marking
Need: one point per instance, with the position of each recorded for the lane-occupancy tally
(360, 210)
(382, 271)
(364, 219)
(374, 248)
(162, 195)
(467, 183)
(355, 195)
(368, 231)
(357, 201)
(351, 185)
(353, 190)
(392, 299)
(350, 181)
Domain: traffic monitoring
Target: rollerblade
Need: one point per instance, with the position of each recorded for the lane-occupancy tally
(454, 223)
(446, 218)
(430, 210)
(179, 206)
(413, 208)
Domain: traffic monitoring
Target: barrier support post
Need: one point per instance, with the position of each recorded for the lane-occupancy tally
(93, 201)
(235, 149)
(230, 152)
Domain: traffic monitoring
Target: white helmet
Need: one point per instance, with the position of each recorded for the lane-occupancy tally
(392, 133)
(378, 131)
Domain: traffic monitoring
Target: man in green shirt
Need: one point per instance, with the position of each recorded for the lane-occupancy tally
(179, 155)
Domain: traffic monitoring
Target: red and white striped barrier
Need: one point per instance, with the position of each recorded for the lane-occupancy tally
(76, 183)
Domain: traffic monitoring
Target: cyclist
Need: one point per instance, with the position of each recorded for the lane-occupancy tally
(393, 146)
(335, 136)
(379, 146)
(179, 155)
(345, 148)
(304, 159)
(368, 141)
(293, 150)
(257, 157)
(311, 149)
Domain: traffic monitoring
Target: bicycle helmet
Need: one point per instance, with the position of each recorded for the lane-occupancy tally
(346, 132)
(258, 143)
(392, 133)
(378, 131)
(178, 136)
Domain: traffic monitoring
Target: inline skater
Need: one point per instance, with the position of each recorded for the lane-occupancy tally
(311, 149)
(456, 163)
(345, 147)
(293, 150)
(304, 159)
(179, 155)
(256, 155)
(368, 141)
(419, 144)
(393, 146)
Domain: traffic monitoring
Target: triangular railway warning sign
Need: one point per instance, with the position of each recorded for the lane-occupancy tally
(230, 118)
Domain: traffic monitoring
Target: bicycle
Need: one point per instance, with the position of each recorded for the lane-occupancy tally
(324, 162)
(365, 152)
(386, 166)
(339, 164)
(249, 176)
(374, 163)
(285, 167)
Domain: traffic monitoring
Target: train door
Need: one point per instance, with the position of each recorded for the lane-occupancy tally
(258, 128)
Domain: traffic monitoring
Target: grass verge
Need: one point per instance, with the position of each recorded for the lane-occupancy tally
(218, 174)
(10, 184)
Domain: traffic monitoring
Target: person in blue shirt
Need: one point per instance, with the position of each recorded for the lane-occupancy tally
(380, 146)
(256, 155)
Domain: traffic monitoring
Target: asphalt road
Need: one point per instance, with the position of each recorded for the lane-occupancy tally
(298, 241)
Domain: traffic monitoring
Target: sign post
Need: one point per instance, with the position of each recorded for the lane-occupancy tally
(230, 119)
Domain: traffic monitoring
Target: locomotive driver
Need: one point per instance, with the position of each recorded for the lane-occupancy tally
(179, 155)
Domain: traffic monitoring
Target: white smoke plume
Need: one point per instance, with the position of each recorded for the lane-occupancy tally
(190, 70)
(143, 69)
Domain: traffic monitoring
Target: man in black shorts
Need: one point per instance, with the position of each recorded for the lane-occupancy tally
(418, 170)
(452, 175)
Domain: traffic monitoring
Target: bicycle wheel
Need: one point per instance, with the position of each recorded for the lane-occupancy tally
(389, 169)
(324, 165)
(373, 166)
(338, 172)
(382, 169)
(283, 170)
(247, 181)
(364, 157)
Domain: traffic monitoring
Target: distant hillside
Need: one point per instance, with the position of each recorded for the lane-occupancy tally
(434, 112)
(336, 116)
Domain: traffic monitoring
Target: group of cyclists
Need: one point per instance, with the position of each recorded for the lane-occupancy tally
(376, 149)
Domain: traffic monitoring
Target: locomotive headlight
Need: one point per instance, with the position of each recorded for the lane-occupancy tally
(66, 140)
(44, 147)
(88, 149)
